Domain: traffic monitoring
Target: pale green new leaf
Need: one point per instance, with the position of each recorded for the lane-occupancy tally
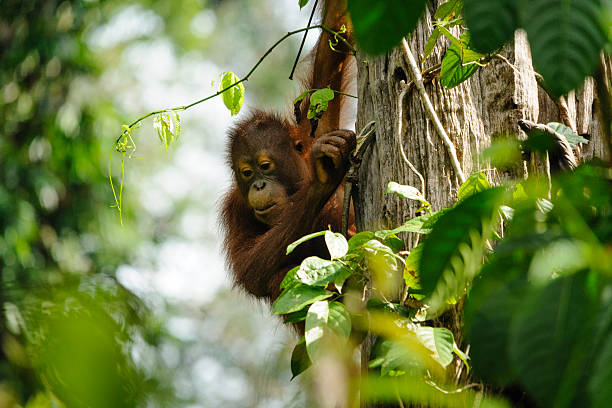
(234, 96)
(408, 192)
(336, 244)
(319, 101)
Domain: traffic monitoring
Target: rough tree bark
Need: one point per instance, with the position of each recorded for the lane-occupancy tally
(473, 114)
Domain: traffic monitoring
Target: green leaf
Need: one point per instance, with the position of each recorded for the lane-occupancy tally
(292, 300)
(336, 244)
(294, 245)
(464, 357)
(384, 267)
(394, 243)
(566, 38)
(316, 322)
(302, 96)
(342, 276)
(449, 9)
(492, 23)
(459, 63)
(295, 317)
(408, 192)
(319, 101)
(551, 338)
(453, 236)
(476, 183)
(315, 271)
(234, 96)
(572, 137)
(431, 42)
(440, 341)
(412, 267)
(489, 312)
(600, 383)
(503, 153)
(359, 239)
(397, 359)
(415, 224)
(299, 359)
(339, 320)
(168, 127)
(290, 280)
(381, 24)
(302, 3)
(454, 40)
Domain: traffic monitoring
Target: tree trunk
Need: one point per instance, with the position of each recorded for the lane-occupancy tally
(474, 113)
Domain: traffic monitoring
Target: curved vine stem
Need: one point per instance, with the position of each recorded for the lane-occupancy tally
(246, 77)
(418, 81)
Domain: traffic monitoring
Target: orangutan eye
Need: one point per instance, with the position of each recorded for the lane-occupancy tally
(265, 166)
(246, 173)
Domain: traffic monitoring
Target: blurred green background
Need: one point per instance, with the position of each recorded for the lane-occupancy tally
(96, 314)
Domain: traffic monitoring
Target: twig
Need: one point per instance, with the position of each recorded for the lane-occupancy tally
(457, 391)
(297, 57)
(418, 81)
(364, 140)
(246, 77)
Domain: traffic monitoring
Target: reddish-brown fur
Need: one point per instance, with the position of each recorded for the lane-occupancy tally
(254, 250)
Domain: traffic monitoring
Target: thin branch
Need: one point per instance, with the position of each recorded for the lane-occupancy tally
(245, 78)
(297, 57)
(418, 81)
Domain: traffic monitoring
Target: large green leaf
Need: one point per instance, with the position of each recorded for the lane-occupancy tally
(439, 341)
(551, 339)
(566, 38)
(453, 233)
(491, 22)
(489, 311)
(459, 62)
(381, 24)
(294, 299)
(324, 319)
